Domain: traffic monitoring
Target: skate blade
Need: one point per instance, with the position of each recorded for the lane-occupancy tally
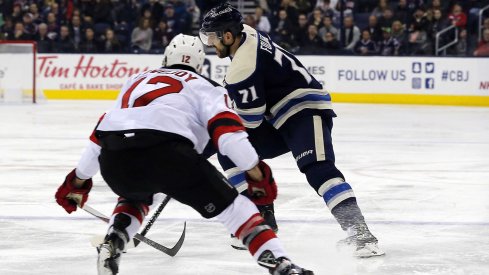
(370, 250)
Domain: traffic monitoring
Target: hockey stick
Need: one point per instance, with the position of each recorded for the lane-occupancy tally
(153, 218)
(169, 251)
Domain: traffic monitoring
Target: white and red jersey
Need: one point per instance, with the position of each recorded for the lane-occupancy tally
(175, 101)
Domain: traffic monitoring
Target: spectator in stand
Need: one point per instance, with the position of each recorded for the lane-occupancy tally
(312, 43)
(141, 37)
(327, 27)
(365, 46)
(304, 6)
(351, 32)
(110, 43)
(374, 29)
(34, 11)
(485, 25)
(16, 13)
(64, 43)
(399, 33)
(483, 47)
(402, 13)
(19, 32)
(57, 14)
(146, 14)
(348, 7)
(458, 17)
(183, 15)
(6, 8)
(250, 21)
(161, 36)
(76, 30)
(316, 18)
(174, 23)
(381, 7)
(101, 12)
(331, 43)
(29, 27)
(53, 26)
(385, 21)
(419, 44)
(124, 14)
(389, 46)
(300, 31)
(460, 49)
(155, 8)
(327, 8)
(438, 5)
(366, 6)
(89, 44)
(262, 22)
(283, 31)
(7, 29)
(437, 24)
(291, 8)
(44, 43)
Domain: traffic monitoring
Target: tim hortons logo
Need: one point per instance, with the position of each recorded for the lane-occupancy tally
(86, 66)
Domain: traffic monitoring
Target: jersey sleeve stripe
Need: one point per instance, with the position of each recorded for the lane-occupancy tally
(299, 93)
(93, 137)
(223, 123)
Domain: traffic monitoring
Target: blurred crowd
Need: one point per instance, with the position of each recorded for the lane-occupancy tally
(339, 27)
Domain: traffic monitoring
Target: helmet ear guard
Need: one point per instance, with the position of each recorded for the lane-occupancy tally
(184, 50)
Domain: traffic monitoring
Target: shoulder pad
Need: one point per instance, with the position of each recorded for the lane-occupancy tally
(243, 64)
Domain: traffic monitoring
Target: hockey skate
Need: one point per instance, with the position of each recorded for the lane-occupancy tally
(365, 243)
(109, 253)
(281, 265)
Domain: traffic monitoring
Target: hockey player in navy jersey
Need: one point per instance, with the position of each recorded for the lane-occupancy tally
(152, 140)
(284, 108)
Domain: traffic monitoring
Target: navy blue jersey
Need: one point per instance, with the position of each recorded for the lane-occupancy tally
(267, 82)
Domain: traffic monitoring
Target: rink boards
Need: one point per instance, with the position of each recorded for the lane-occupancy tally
(404, 80)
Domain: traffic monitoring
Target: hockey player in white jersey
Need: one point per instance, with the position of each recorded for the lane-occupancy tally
(151, 142)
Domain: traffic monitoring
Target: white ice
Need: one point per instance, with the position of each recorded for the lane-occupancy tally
(421, 175)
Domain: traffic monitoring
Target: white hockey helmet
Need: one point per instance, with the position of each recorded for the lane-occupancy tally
(185, 50)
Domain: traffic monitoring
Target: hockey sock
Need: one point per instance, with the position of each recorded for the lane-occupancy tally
(242, 219)
(135, 213)
(347, 213)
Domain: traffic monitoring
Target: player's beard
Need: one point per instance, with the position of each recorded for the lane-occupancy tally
(222, 52)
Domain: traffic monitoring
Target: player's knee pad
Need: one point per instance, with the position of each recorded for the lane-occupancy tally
(328, 182)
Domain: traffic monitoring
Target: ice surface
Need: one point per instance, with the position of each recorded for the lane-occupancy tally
(421, 175)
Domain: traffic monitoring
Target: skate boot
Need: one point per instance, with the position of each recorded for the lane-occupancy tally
(281, 265)
(268, 213)
(366, 244)
(109, 252)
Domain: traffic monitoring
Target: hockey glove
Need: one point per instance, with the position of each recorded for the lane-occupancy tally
(68, 196)
(265, 191)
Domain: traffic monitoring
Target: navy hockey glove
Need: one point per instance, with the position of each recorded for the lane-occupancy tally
(68, 196)
(265, 191)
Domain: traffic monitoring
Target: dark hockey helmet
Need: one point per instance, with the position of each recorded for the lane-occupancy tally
(218, 20)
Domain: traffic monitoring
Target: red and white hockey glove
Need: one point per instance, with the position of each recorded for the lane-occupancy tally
(68, 196)
(265, 191)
